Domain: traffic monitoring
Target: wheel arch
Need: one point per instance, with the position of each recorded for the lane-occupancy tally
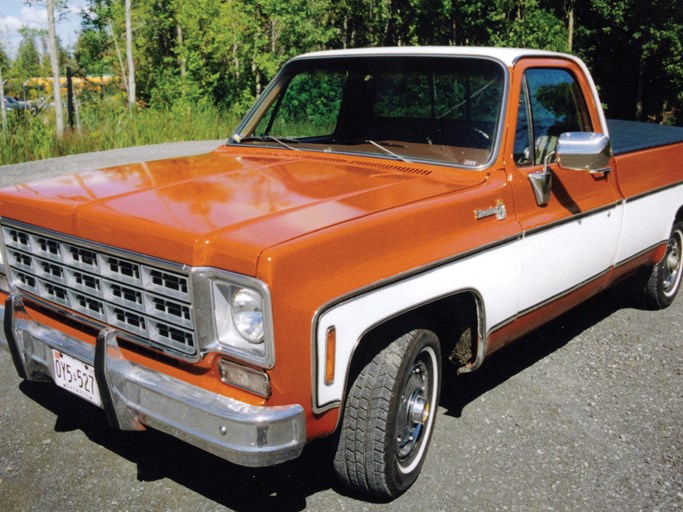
(457, 319)
(679, 215)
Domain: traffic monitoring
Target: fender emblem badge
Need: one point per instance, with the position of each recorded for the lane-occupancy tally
(499, 211)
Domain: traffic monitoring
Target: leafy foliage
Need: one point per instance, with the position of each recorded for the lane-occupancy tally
(635, 50)
(4, 59)
(222, 53)
(225, 51)
(27, 63)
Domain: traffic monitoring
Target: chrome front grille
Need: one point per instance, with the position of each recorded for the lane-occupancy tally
(145, 298)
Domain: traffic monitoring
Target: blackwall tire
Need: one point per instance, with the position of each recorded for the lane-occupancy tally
(665, 279)
(389, 417)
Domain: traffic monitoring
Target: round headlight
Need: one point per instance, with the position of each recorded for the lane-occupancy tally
(247, 314)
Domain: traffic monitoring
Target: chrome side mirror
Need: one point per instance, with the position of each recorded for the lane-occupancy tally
(584, 151)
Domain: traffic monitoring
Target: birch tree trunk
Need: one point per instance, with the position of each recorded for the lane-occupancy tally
(570, 29)
(181, 49)
(118, 54)
(129, 55)
(54, 61)
(3, 111)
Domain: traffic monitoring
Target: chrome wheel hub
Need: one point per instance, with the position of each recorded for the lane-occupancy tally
(672, 267)
(418, 409)
(414, 409)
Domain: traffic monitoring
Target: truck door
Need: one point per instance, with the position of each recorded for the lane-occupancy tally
(569, 244)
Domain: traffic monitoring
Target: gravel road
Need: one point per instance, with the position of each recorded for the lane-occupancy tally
(585, 414)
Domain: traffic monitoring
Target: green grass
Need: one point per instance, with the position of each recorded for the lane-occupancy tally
(108, 125)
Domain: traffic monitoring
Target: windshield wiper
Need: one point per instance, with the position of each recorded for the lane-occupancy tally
(284, 142)
(381, 145)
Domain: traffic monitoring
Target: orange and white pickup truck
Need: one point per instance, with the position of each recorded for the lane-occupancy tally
(378, 215)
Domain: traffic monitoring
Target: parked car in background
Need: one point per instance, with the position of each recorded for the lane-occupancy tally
(15, 104)
(8, 104)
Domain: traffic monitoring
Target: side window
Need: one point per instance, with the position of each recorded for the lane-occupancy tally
(556, 105)
(523, 133)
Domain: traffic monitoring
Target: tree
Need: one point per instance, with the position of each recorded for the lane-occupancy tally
(280, 30)
(634, 50)
(54, 60)
(99, 49)
(225, 51)
(93, 50)
(4, 60)
(129, 55)
(27, 62)
(526, 24)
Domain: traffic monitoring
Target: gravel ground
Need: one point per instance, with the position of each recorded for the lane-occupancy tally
(583, 415)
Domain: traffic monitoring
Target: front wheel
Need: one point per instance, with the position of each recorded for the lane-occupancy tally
(665, 279)
(389, 417)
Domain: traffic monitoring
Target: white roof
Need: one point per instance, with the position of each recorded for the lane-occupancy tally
(507, 56)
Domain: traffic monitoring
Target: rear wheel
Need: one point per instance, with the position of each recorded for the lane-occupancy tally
(665, 279)
(389, 417)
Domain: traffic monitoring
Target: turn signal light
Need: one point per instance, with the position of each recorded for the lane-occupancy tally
(245, 378)
(330, 348)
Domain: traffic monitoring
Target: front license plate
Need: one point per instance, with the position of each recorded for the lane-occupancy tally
(75, 376)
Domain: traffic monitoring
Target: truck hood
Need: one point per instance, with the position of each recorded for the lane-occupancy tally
(224, 208)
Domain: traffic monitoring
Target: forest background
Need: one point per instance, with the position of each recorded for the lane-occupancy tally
(193, 68)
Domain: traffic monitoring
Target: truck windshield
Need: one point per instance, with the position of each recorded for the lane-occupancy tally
(443, 110)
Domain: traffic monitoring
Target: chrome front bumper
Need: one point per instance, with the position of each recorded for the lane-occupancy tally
(134, 396)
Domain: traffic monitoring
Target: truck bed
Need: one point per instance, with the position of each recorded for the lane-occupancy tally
(628, 136)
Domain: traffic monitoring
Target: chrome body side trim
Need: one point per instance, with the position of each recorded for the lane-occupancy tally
(472, 366)
(135, 396)
(526, 305)
(636, 197)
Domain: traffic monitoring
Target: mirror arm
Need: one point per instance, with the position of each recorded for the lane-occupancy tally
(604, 171)
(542, 181)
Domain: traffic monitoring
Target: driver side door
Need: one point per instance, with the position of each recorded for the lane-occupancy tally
(570, 243)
